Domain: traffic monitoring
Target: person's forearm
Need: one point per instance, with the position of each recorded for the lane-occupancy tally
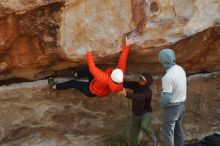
(91, 62)
(130, 85)
(96, 72)
(165, 98)
(123, 58)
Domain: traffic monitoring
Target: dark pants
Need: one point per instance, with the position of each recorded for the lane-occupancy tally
(142, 122)
(79, 85)
(172, 125)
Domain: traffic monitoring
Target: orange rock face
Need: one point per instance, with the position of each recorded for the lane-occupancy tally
(38, 38)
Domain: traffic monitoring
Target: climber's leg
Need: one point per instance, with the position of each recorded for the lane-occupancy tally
(84, 73)
(79, 85)
(134, 131)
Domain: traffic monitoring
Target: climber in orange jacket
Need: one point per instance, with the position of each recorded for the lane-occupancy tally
(101, 83)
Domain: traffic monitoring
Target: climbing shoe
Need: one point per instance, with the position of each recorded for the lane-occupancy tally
(51, 82)
(74, 74)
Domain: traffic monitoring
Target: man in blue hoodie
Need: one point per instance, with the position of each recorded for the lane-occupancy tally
(172, 99)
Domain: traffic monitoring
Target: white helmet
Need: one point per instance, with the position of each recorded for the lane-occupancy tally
(117, 75)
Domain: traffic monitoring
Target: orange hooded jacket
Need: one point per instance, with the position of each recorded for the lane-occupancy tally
(102, 84)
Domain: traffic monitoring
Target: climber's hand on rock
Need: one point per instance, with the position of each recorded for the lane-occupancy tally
(130, 41)
(89, 49)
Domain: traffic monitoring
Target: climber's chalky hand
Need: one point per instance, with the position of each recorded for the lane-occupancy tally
(89, 49)
(130, 41)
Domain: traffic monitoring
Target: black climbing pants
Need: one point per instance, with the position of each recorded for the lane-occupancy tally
(82, 86)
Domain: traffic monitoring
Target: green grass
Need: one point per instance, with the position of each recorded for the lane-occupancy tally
(120, 135)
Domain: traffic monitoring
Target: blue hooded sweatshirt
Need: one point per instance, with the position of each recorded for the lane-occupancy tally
(167, 59)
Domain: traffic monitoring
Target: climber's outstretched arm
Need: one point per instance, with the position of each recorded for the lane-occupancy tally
(98, 74)
(124, 54)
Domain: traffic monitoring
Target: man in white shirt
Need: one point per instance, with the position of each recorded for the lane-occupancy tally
(173, 97)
